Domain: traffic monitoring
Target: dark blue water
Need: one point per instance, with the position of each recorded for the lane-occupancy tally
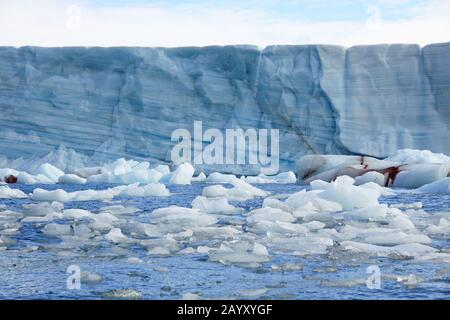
(41, 274)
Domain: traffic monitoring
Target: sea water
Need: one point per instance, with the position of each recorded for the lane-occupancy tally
(29, 271)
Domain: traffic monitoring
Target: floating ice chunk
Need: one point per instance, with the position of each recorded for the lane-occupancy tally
(243, 258)
(371, 176)
(139, 176)
(253, 293)
(101, 178)
(122, 171)
(115, 235)
(190, 296)
(120, 166)
(309, 201)
(86, 172)
(413, 249)
(129, 294)
(319, 185)
(259, 249)
(217, 177)
(275, 203)
(370, 213)
(412, 156)
(209, 205)
(208, 233)
(77, 214)
(188, 250)
(396, 238)
(290, 266)
(441, 186)
(314, 225)
(418, 175)
(163, 169)
(71, 179)
(117, 210)
(107, 194)
(42, 212)
(402, 223)
(214, 191)
(49, 171)
(179, 217)
(269, 214)
(300, 246)
(40, 178)
(7, 193)
(8, 172)
(414, 205)
(244, 191)
(323, 216)
(241, 191)
(159, 251)
(183, 174)
(134, 260)
(42, 209)
(349, 196)
(382, 190)
(26, 178)
(200, 178)
(155, 189)
(410, 280)
(365, 247)
(45, 195)
(279, 227)
(329, 167)
(204, 249)
(416, 168)
(443, 227)
(91, 195)
(282, 178)
(90, 277)
(100, 225)
(410, 249)
(54, 229)
(82, 231)
(344, 283)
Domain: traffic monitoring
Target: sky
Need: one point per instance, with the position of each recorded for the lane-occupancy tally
(200, 23)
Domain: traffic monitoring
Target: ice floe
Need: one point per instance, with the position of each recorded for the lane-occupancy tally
(327, 219)
(71, 179)
(133, 190)
(441, 186)
(405, 169)
(183, 174)
(7, 192)
(344, 192)
(281, 178)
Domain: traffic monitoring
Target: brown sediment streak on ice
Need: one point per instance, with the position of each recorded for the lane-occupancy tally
(392, 174)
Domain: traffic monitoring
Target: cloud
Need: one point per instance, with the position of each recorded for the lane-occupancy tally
(64, 23)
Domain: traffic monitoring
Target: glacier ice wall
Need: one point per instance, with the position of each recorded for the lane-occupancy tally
(112, 102)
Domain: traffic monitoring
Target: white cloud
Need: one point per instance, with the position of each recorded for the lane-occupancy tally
(51, 24)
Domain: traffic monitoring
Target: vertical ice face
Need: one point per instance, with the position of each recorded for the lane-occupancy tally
(390, 103)
(111, 102)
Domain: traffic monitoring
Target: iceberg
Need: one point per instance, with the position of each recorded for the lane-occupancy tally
(441, 186)
(81, 106)
(405, 169)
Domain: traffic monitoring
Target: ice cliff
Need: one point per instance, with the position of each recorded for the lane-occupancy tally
(107, 103)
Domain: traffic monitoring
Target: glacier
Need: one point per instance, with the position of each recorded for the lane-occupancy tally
(105, 103)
